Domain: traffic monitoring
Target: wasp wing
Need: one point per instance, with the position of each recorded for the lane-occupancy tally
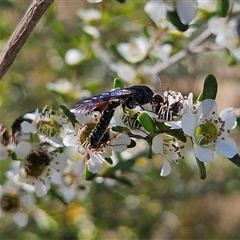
(101, 101)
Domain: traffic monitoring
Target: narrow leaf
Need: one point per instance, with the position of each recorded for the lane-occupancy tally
(175, 20)
(210, 88)
(202, 169)
(147, 122)
(178, 135)
(89, 175)
(118, 83)
(235, 160)
(109, 160)
(69, 114)
(124, 180)
(223, 7)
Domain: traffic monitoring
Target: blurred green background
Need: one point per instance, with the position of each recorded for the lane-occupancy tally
(179, 206)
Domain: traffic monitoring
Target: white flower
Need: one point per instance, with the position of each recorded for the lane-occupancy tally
(186, 10)
(15, 202)
(74, 56)
(37, 164)
(8, 142)
(157, 10)
(227, 33)
(49, 126)
(94, 1)
(89, 15)
(124, 71)
(135, 51)
(162, 52)
(94, 156)
(91, 30)
(169, 149)
(209, 130)
(62, 86)
(70, 181)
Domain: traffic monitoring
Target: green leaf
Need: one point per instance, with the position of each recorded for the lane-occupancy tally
(150, 152)
(175, 20)
(147, 122)
(121, 1)
(162, 127)
(118, 83)
(109, 160)
(56, 194)
(124, 180)
(235, 160)
(132, 144)
(89, 175)
(178, 135)
(202, 169)
(69, 114)
(210, 88)
(223, 7)
(232, 60)
(15, 157)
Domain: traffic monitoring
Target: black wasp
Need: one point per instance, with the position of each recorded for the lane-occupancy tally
(106, 103)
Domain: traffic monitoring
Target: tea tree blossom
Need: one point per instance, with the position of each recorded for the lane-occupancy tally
(135, 51)
(157, 9)
(49, 126)
(209, 130)
(8, 142)
(170, 150)
(37, 164)
(15, 202)
(227, 33)
(70, 181)
(94, 156)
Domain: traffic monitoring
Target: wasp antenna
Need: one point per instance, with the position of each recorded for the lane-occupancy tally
(160, 83)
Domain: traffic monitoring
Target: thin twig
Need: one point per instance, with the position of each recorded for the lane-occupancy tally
(21, 33)
(160, 66)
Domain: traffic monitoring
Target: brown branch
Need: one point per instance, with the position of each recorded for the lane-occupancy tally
(21, 33)
(192, 49)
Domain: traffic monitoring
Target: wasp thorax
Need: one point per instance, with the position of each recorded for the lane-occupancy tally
(10, 202)
(36, 163)
(206, 133)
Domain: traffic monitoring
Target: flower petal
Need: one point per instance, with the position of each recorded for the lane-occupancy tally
(186, 10)
(95, 163)
(188, 124)
(157, 144)
(227, 147)
(28, 127)
(40, 188)
(229, 117)
(23, 149)
(156, 10)
(70, 139)
(166, 169)
(20, 218)
(207, 108)
(203, 154)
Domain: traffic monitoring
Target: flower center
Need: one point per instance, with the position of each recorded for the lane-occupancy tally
(10, 202)
(36, 163)
(206, 133)
(49, 128)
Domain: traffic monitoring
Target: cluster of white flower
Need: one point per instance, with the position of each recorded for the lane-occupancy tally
(58, 150)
